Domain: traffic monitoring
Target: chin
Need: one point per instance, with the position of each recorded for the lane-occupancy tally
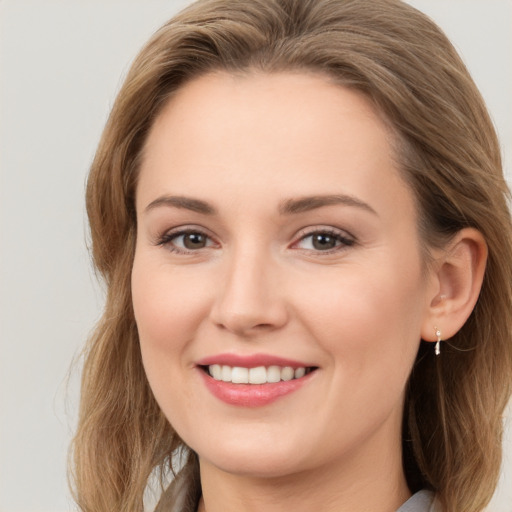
(261, 467)
(253, 458)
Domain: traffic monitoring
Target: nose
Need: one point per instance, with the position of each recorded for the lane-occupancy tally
(250, 298)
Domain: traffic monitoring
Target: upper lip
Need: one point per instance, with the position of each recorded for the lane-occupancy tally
(251, 361)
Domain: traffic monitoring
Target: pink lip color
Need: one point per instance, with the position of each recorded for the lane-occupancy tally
(251, 361)
(251, 395)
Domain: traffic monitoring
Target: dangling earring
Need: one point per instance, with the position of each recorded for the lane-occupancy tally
(437, 348)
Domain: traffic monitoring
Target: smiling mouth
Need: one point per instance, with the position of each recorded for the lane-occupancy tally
(257, 375)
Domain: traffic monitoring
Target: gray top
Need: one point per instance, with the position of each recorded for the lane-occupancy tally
(184, 492)
(422, 501)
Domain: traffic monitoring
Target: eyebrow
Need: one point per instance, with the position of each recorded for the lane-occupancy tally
(288, 207)
(305, 204)
(196, 205)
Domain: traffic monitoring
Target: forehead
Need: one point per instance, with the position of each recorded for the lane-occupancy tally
(274, 101)
(289, 133)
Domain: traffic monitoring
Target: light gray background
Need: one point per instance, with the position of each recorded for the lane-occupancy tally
(61, 63)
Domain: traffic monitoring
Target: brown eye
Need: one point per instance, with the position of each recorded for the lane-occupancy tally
(186, 241)
(193, 240)
(323, 241)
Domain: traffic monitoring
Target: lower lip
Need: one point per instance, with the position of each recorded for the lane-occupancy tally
(252, 395)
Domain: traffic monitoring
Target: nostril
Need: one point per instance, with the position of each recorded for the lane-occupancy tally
(248, 303)
(245, 325)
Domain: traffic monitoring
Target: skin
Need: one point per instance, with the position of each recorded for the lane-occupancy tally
(245, 145)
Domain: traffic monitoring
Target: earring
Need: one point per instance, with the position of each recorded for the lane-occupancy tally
(437, 348)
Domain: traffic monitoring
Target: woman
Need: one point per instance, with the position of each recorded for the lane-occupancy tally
(300, 214)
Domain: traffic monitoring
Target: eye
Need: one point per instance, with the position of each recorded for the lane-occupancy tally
(325, 241)
(185, 241)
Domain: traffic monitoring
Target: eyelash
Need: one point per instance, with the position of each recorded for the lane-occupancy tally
(167, 238)
(342, 240)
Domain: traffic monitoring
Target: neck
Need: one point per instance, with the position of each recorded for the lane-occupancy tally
(373, 481)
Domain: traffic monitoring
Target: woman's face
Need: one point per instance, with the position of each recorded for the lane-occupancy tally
(276, 239)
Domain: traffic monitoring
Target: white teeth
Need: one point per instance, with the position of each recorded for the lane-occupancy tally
(287, 373)
(239, 375)
(216, 371)
(226, 373)
(273, 374)
(257, 375)
(300, 372)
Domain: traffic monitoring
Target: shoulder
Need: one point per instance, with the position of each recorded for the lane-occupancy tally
(183, 493)
(422, 501)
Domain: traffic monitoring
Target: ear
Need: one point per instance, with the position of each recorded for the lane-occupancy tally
(457, 279)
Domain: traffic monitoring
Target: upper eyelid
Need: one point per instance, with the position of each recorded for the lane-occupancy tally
(300, 235)
(186, 229)
(304, 232)
(165, 236)
(345, 239)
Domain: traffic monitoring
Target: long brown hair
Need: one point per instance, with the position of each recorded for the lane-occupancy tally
(447, 151)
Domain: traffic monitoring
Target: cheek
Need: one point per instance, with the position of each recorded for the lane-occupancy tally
(168, 305)
(168, 308)
(368, 318)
